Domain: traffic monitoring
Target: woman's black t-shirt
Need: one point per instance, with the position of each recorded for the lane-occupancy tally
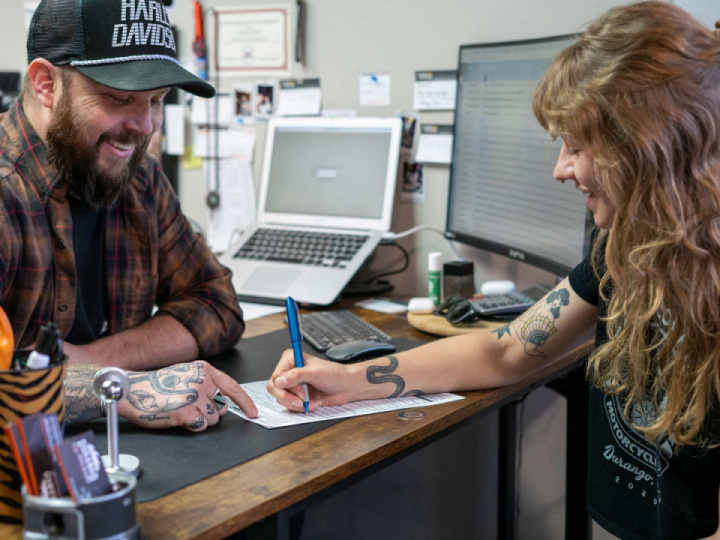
(639, 489)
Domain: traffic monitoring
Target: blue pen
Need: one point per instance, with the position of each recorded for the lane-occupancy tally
(293, 318)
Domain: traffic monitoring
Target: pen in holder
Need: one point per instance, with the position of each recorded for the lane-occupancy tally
(22, 393)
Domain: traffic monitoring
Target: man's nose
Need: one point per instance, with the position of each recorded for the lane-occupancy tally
(140, 119)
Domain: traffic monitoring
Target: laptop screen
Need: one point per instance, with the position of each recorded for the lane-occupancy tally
(329, 171)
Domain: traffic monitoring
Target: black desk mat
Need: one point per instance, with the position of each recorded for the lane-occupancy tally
(171, 459)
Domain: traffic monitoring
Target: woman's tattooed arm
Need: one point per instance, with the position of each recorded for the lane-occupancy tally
(535, 327)
(386, 374)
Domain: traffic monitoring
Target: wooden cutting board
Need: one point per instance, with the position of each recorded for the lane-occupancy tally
(438, 325)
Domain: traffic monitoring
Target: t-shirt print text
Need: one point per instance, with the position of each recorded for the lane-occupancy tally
(143, 22)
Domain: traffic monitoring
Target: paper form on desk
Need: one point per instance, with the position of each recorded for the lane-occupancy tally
(383, 305)
(252, 310)
(273, 415)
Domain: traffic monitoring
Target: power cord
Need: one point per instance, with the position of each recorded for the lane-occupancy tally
(374, 285)
(389, 239)
(403, 234)
(405, 265)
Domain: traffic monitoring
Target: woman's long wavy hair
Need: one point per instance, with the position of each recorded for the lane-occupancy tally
(640, 90)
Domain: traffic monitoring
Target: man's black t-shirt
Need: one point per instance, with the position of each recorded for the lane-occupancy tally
(88, 245)
(639, 489)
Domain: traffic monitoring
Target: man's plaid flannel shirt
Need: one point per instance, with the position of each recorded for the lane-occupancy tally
(152, 256)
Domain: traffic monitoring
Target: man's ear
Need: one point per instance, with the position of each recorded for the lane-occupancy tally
(44, 81)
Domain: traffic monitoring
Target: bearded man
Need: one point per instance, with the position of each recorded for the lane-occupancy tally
(92, 237)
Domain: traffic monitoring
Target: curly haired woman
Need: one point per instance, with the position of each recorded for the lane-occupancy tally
(636, 102)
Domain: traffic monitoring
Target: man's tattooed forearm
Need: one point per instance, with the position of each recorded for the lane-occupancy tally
(384, 374)
(81, 403)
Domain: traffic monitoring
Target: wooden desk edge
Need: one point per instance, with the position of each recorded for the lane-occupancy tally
(221, 504)
(310, 465)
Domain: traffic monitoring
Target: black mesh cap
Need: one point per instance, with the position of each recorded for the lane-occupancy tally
(123, 44)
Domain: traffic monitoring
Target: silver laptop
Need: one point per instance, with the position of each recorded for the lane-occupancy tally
(325, 199)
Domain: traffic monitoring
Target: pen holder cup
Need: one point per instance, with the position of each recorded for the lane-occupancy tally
(22, 393)
(108, 516)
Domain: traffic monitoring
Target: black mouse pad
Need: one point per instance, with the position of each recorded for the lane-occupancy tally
(171, 459)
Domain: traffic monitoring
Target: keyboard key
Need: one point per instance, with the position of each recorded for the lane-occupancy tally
(302, 247)
(324, 329)
(285, 259)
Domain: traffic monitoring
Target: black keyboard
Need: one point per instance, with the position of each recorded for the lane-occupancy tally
(302, 247)
(323, 329)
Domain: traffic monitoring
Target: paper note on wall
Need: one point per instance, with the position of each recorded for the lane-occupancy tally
(434, 144)
(174, 130)
(299, 97)
(189, 160)
(217, 111)
(232, 180)
(435, 90)
(224, 143)
(374, 89)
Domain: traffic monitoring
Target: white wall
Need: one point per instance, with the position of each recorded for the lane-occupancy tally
(706, 11)
(402, 36)
(13, 37)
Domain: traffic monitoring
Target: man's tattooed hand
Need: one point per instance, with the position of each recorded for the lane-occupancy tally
(181, 395)
(157, 393)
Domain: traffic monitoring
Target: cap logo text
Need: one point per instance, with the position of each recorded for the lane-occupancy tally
(145, 22)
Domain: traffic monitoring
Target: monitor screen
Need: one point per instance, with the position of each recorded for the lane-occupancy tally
(503, 197)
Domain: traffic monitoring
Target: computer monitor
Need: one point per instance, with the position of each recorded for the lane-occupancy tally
(502, 195)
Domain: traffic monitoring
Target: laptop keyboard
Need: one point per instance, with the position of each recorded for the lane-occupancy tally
(302, 247)
(323, 329)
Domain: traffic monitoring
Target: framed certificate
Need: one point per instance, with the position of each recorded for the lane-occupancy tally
(253, 40)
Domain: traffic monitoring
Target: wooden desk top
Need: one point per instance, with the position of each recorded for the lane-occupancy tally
(274, 481)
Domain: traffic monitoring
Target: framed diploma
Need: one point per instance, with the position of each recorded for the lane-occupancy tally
(253, 40)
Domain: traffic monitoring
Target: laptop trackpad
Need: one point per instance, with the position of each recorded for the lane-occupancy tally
(272, 280)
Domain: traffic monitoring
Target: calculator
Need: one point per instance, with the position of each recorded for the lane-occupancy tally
(498, 304)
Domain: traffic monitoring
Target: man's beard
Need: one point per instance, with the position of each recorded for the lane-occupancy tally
(77, 160)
